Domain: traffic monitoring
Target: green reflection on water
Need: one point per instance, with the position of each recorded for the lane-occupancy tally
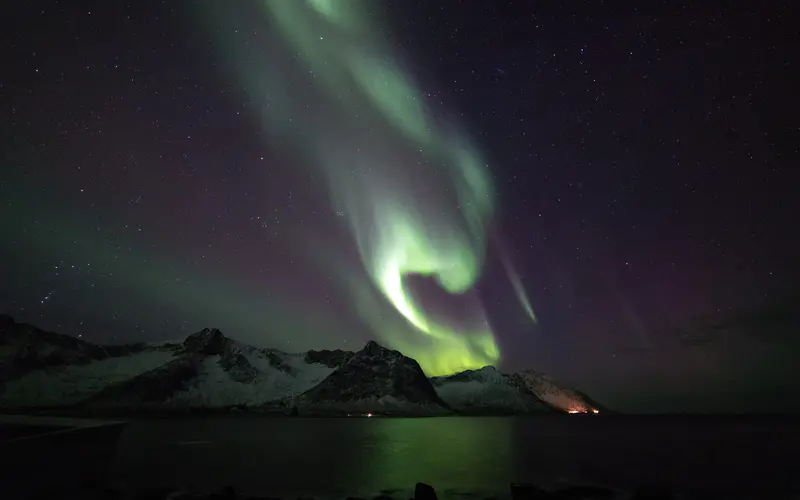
(452, 453)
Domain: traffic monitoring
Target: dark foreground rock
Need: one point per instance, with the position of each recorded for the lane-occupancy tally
(585, 493)
(525, 491)
(424, 491)
(651, 493)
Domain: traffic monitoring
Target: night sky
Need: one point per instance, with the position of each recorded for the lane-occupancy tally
(606, 189)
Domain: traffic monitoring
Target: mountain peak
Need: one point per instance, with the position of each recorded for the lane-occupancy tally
(207, 341)
(486, 374)
(376, 352)
(372, 348)
(372, 344)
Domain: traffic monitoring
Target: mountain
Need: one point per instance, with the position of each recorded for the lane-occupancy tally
(487, 392)
(208, 370)
(25, 348)
(375, 380)
(42, 370)
(48, 369)
(555, 395)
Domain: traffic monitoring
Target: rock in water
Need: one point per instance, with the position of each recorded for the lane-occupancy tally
(651, 493)
(524, 491)
(585, 493)
(424, 491)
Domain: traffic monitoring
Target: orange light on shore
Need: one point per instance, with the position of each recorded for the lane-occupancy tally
(595, 411)
(574, 411)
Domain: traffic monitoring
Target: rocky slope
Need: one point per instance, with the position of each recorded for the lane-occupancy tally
(374, 380)
(487, 392)
(555, 395)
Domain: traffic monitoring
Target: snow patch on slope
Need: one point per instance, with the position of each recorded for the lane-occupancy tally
(485, 390)
(214, 387)
(73, 383)
(477, 393)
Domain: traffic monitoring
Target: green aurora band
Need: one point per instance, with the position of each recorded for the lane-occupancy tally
(414, 193)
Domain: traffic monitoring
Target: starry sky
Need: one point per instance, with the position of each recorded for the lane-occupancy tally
(602, 191)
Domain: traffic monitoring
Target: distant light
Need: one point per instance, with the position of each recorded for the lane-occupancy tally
(595, 411)
(369, 414)
(574, 411)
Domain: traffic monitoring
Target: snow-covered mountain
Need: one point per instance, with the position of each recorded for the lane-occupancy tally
(25, 349)
(557, 396)
(487, 391)
(41, 370)
(208, 370)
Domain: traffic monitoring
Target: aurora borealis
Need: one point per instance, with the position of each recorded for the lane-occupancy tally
(414, 192)
(468, 182)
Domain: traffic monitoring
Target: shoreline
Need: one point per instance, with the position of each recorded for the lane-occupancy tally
(132, 412)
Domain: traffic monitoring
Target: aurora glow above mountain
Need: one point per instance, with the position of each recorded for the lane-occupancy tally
(414, 192)
(316, 174)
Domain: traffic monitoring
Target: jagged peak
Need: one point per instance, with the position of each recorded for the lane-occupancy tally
(486, 373)
(209, 332)
(325, 351)
(372, 348)
(207, 341)
(330, 358)
(530, 372)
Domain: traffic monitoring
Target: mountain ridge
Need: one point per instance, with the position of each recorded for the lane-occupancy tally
(210, 371)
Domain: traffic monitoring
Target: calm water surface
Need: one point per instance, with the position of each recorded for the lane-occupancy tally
(458, 454)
